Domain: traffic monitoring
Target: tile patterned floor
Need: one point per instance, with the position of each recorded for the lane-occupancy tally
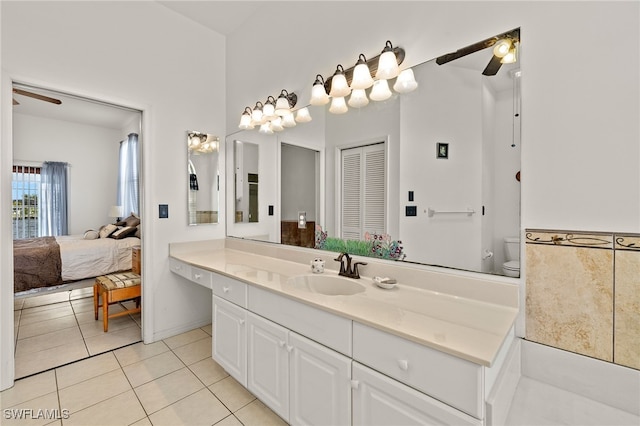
(171, 382)
(57, 328)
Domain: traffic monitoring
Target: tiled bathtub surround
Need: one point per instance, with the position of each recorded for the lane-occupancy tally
(578, 284)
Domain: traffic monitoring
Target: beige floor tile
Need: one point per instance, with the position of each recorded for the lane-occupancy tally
(194, 352)
(152, 368)
(18, 304)
(96, 327)
(87, 316)
(232, 394)
(86, 369)
(185, 338)
(208, 329)
(35, 362)
(92, 391)
(29, 412)
(168, 389)
(208, 371)
(113, 339)
(229, 421)
(258, 414)
(47, 341)
(82, 293)
(122, 409)
(30, 316)
(142, 422)
(43, 308)
(47, 326)
(46, 299)
(27, 389)
(82, 305)
(139, 351)
(200, 408)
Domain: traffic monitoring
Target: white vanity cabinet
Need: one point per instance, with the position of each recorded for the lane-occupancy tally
(230, 338)
(300, 380)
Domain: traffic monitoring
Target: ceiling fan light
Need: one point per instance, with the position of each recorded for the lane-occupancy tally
(387, 63)
(338, 106)
(380, 91)
(502, 47)
(406, 82)
(361, 75)
(511, 57)
(318, 92)
(339, 86)
(303, 116)
(358, 98)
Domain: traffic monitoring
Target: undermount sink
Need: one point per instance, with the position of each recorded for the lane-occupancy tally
(329, 285)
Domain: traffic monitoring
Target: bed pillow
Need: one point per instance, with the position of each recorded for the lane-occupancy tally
(138, 232)
(123, 232)
(132, 220)
(91, 235)
(107, 230)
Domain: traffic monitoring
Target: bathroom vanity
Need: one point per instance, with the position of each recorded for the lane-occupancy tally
(413, 355)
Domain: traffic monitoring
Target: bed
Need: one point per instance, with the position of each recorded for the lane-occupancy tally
(51, 261)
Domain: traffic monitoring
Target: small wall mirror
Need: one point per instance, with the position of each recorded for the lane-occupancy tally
(203, 153)
(247, 181)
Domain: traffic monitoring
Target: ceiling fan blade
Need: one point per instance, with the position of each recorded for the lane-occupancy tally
(493, 66)
(441, 60)
(15, 102)
(37, 96)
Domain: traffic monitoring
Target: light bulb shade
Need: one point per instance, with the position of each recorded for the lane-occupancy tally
(276, 124)
(406, 82)
(256, 114)
(245, 121)
(361, 75)
(269, 109)
(288, 120)
(338, 106)
(358, 98)
(318, 93)
(387, 63)
(116, 211)
(511, 57)
(303, 116)
(502, 47)
(266, 128)
(380, 91)
(339, 86)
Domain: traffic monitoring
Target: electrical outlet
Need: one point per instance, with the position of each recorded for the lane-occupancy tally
(411, 211)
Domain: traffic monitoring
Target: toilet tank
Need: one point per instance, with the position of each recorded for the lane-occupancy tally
(512, 248)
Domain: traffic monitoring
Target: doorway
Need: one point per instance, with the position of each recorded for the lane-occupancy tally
(55, 324)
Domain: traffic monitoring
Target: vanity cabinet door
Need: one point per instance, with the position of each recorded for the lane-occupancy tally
(268, 363)
(230, 338)
(320, 384)
(380, 400)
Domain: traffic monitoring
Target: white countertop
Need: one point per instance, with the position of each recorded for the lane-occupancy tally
(467, 328)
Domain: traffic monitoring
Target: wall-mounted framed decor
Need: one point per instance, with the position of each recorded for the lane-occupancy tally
(442, 150)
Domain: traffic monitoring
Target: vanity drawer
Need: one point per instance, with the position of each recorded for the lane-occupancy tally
(180, 268)
(201, 276)
(452, 380)
(323, 327)
(229, 289)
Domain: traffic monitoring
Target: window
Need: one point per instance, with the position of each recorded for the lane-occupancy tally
(25, 188)
(363, 195)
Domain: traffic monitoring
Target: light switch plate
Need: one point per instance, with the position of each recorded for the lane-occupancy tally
(163, 211)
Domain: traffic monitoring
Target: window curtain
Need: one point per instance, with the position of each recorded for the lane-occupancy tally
(53, 198)
(129, 176)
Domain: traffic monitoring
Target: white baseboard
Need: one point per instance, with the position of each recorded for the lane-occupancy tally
(602, 381)
(163, 334)
(499, 400)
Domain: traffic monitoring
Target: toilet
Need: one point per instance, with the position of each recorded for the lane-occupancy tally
(511, 268)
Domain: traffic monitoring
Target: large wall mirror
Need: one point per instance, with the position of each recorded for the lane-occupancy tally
(443, 162)
(204, 177)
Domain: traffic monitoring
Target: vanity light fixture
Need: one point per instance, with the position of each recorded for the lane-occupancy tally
(358, 98)
(269, 108)
(256, 114)
(276, 124)
(380, 91)
(361, 74)
(266, 128)
(303, 116)
(388, 63)
(339, 85)
(406, 82)
(274, 115)
(245, 119)
(338, 106)
(319, 94)
(285, 102)
(202, 143)
(288, 120)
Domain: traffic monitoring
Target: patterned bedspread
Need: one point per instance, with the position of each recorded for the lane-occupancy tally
(36, 263)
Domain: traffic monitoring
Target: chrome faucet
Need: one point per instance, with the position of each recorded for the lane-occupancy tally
(345, 266)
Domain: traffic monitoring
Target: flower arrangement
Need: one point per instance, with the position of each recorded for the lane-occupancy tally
(373, 245)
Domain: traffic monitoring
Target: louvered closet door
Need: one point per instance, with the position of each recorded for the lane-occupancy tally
(363, 191)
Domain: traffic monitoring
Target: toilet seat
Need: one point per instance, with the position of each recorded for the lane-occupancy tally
(512, 265)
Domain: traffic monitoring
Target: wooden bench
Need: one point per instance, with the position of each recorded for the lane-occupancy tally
(114, 288)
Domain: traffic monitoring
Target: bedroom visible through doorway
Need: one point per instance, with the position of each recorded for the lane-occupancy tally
(53, 308)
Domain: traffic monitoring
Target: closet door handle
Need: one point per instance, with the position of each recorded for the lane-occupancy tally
(282, 343)
(355, 384)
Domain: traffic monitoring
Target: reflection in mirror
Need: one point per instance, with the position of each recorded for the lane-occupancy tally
(456, 207)
(204, 176)
(246, 178)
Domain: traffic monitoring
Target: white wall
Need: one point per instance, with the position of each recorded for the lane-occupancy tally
(140, 55)
(92, 153)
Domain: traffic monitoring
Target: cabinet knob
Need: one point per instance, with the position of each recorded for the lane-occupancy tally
(241, 322)
(289, 348)
(225, 289)
(177, 267)
(197, 276)
(403, 364)
(282, 343)
(355, 384)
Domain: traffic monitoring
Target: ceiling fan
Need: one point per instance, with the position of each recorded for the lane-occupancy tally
(34, 96)
(496, 61)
